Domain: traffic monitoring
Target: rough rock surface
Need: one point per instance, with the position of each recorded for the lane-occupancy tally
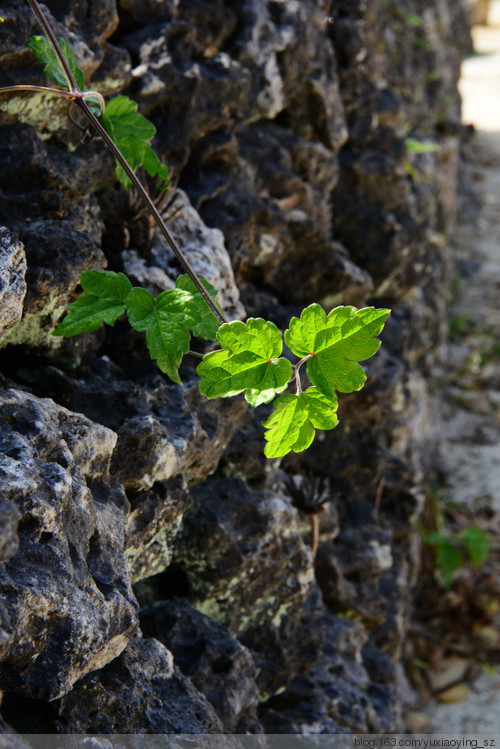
(286, 127)
(142, 691)
(12, 283)
(66, 590)
(219, 666)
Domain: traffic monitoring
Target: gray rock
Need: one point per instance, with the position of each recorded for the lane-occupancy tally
(142, 691)
(168, 438)
(336, 695)
(12, 283)
(249, 570)
(57, 248)
(213, 660)
(67, 589)
(9, 538)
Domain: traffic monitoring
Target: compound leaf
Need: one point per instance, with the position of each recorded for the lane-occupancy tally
(131, 133)
(336, 343)
(292, 424)
(203, 321)
(104, 301)
(165, 323)
(43, 51)
(249, 360)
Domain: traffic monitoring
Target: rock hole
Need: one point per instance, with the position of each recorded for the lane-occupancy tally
(173, 583)
(28, 716)
(222, 665)
(28, 523)
(45, 537)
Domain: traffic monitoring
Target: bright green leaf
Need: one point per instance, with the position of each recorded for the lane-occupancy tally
(203, 321)
(131, 133)
(295, 417)
(164, 321)
(416, 147)
(476, 545)
(154, 167)
(249, 360)
(104, 301)
(336, 343)
(43, 51)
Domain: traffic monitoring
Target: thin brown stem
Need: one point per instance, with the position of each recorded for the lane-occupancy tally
(314, 534)
(70, 95)
(185, 264)
(92, 119)
(51, 38)
(296, 376)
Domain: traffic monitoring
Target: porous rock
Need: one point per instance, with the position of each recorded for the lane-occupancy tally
(203, 247)
(12, 283)
(66, 591)
(337, 690)
(142, 691)
(257, 578)
(287, 126)
(168, 437)
(45, 199)
(219, 666)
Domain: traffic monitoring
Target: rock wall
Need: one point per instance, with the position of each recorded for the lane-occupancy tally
(155, 573)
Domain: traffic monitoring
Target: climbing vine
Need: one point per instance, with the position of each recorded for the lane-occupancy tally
(249, 360)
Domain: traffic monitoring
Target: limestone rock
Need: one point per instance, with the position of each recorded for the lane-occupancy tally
(257, 579)
(142, 691)
(213, 660)
(9, 538)
(203, 247)
(336, 694)
(58, 247)
(67, 589)
(12, 283)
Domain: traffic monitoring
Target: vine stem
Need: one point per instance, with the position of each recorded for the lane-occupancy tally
(314, 534)
(295, 374)
(56, 47)
(70, 95)
(79, 100)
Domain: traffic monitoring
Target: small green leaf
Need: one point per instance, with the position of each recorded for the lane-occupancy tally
(448, 559)
(476, 545)
(131, 133)
(295, 417)
(43, 51)
(164, 321)
(249, 361)
(104, 301)
(203, 322)
(336, 343)
(416, 147)
(154, 167)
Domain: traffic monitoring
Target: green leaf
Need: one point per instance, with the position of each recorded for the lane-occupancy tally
(203, 322)
(448, 559)
(164, 321)
(336, 343)
(476, 545)
(249, 360)
(104, 301)
(154, 167)
(295, 417)
(131, 133)
(43, 51)
(416, 147)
